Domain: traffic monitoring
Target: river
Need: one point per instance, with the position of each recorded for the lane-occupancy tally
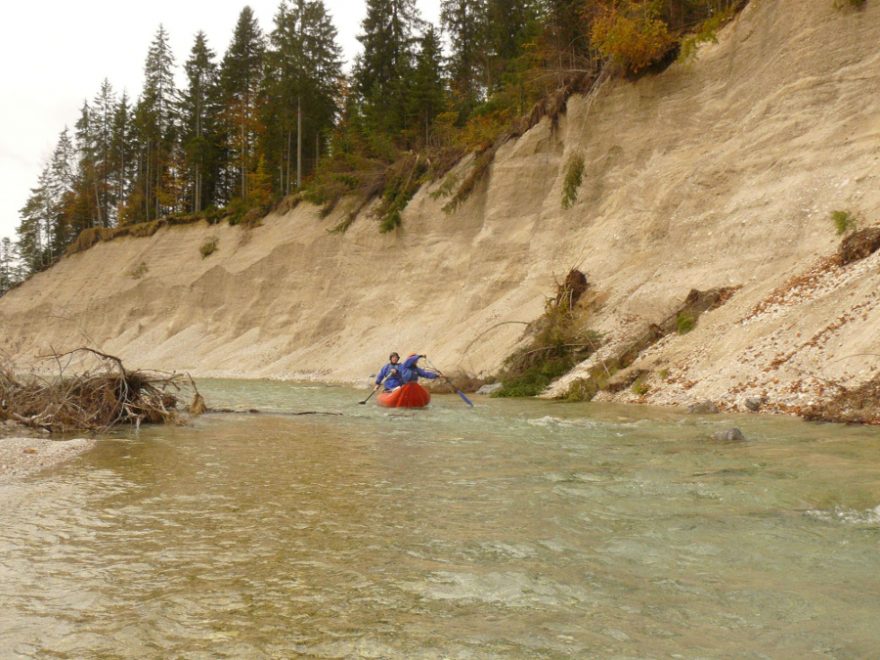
(517, 529)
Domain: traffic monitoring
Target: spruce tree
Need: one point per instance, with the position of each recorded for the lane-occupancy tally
(241, 75)
(44, 228)
(510, 23)
(121, 167)
(199, 109)
(59, 185)
(427, 97)
(302, 86)
(465, 23)
(84, 211)
(383, 71)
(155, 120)
(103, 111)
(32, 227)
(8, 265)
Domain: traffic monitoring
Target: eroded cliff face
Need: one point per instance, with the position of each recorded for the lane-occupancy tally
(720, 172)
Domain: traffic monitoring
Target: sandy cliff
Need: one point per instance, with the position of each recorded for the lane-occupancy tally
(719, 172)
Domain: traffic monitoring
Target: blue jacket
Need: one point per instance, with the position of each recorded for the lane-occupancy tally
(410, 370)
(391, 374)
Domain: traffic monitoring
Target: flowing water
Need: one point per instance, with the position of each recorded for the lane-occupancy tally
(522, 529)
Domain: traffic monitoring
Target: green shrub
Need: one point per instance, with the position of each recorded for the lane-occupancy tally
(843, 221)
(574, 175)
(535, 379)
(209, 247)
(640, 387)
(685, 322)
(855, 4)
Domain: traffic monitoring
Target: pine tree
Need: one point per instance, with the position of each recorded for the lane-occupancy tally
(510, 23)
(302, 85)
(84, 212)
(383, 72)
(59, 184)
(155, 119)
(123, 156)
(103, 111)
(241, 75)
(465, 23)
(33, 222)
(44, 229)
(199, 109)
(427, 96)
(9, 275)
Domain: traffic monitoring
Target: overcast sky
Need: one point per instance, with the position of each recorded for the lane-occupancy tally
(54, 55)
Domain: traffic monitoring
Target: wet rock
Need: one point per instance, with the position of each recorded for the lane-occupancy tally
(729, 435)
(489, 389)
(703, 408)
(754, 403)
(859, 245)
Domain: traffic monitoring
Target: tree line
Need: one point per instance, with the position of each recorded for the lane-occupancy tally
(276, 115)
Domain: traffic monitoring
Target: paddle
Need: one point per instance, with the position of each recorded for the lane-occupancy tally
(449, 382)
(377, 387)
(369, 395)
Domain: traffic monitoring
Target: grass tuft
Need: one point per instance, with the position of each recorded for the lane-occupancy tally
(574, 176)
(209, 247)
(844, 221)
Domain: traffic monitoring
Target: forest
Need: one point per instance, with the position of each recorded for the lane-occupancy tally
(278, 118)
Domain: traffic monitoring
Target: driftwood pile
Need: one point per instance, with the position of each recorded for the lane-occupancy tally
(101, 395)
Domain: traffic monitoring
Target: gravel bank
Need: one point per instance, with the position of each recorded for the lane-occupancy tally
(20, 457)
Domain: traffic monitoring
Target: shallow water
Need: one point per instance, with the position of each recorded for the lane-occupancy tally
(516, 529)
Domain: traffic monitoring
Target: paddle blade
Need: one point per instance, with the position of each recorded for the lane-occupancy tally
(464, 398)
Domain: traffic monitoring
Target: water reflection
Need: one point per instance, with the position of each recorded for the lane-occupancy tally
(518, 529)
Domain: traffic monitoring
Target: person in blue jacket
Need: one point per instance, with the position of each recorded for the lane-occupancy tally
(389, 375)
(410, 370)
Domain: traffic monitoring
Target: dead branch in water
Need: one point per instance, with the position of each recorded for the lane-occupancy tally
(102, 395)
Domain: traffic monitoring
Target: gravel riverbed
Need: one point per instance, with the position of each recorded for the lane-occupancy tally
(20, 457)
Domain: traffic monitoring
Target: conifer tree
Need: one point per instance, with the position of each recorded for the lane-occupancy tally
(241, 75)
(9, 275)
(566, 29)
(465, 23)
(121, 167)
(34, 218)
(383, 72)
(199, 109)
(155, 119)
(84, 211)
(510, 23)
(44, 228)
(303, 78)
(427, 96)
(103, 111)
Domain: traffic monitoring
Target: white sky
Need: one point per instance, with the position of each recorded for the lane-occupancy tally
(54, 55)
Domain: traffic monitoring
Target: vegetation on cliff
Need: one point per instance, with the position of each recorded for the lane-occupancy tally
(275, 117)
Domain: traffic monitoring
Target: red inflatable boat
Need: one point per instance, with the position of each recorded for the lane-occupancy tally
(409, 395)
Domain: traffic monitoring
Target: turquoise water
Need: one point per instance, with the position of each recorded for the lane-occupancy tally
(521, 529)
